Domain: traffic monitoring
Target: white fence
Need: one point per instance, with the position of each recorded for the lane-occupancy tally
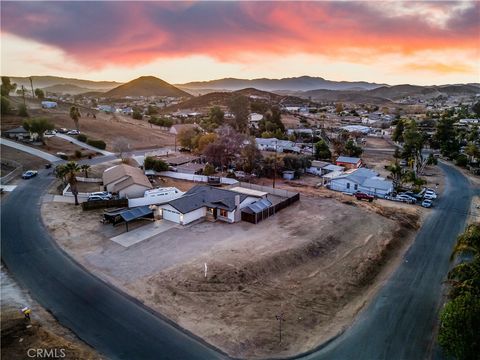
(268, 189)
(89, 180)
(195, 178)
(153, 200)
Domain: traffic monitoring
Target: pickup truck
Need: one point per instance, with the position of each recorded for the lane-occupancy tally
(362, 196)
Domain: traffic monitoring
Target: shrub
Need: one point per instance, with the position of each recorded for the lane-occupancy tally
(82, 138)
(209, 170)
(462, 160)
(64, 157)
(99, 144)
(6, 107)
(155, 164)
(78, 154)
(22, 110)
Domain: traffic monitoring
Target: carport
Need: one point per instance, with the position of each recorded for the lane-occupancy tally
(141, 212)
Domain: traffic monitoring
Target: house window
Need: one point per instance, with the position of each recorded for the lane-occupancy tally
(355, 187)
(223, 213)
(348, 185)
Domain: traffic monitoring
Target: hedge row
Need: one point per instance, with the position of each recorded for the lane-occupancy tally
(99, 144)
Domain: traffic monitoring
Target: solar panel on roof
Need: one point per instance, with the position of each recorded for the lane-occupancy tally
(136, 213)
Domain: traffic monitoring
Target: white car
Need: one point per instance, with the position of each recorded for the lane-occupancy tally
(430, 194)
(97, 198)
(427, 203)
(406, 198)
(73, 132)
(104, 194)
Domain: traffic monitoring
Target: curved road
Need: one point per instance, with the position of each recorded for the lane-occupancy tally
(398, 324)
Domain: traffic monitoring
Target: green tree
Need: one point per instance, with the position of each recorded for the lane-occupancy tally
(476, 108)
(322, 151)
(137, 115)
(39, 94)
(152, 110)
(461, 160)
(38, 126)
(216, 115)
(71, 169)
(397, 134)
(85, 168)
(61, 172)
(7, 86)
(22, 110)
(75, 116)
(446, 137)
(187, 137)
(351, 149)
(203, 141)
(250, 157)
(209, 169)
(240, 108)
(472, 150)
(6, 108)
(396, 172)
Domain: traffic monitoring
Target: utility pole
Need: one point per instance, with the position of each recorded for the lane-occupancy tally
(275, 164)
(280, 319)
(31, 84)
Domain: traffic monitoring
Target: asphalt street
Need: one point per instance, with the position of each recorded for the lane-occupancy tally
(400, 321)
(398, 324)
(113, 323)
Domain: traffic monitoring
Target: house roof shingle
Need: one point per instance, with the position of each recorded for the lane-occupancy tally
(204, 195)
(133, 176)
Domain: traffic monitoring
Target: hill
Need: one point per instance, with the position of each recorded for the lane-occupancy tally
(356, 97)
(303, 83)
(69, 89)
(400, 91)
(46, 81)
(222, 98)
(146, 86)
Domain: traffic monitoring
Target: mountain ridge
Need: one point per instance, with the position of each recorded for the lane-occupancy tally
(146, 86)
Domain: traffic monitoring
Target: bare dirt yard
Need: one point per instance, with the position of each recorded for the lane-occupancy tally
(106, 127)
(26, 160)
(378, 153)
(317, 262)
(41, 332)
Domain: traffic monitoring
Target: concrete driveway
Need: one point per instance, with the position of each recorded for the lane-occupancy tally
(145, 232)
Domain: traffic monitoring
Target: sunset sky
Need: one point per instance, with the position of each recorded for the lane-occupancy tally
(393, 42)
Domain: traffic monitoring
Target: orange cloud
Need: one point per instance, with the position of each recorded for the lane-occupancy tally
(441, 68)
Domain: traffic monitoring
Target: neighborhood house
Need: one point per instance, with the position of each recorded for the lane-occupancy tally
(126, 180)
(364, 180)
(349, 162)
(209, 203)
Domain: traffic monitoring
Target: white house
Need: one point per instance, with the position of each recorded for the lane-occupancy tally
(126, 180)
(363, 180)
(255, 118)
(49, 104)
(207, 202)
(273, 144)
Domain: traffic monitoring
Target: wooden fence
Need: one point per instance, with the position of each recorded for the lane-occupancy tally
(91, 205)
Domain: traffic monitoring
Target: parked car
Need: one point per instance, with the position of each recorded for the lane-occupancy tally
(363, 196)
(407, 199)
(427, 203)
(29, 174)
(412, 194)
(104, 194)
(62, 130)
(73, 132)
(97, 198)
(430, 194)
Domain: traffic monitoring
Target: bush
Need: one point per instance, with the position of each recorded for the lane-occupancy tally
(461, 160)
(209, 170)
(78, 154)
(82, 138)
(6, 107)
(99, 144)
(22, 110)
(165, 122)
(63, 156)
(151, 163)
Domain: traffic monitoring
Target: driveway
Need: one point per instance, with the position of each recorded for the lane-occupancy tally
(30, 150)
(82, 144)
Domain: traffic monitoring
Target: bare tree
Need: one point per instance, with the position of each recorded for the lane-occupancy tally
(122, 147)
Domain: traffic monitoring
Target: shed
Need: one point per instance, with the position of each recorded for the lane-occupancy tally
(258, 211)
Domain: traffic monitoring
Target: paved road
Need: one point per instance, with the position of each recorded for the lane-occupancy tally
(397, 325)
(82, 144)
(114, 324)
(400, 321)
(30, 150)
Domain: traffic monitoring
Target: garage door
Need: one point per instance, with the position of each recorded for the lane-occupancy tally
(171, 215)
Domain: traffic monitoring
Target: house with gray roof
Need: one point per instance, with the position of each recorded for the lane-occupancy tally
(363, 180)
(209, 203)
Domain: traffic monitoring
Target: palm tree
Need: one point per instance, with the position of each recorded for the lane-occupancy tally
(85, 168)
(75, 115)
(71, 169)
(61, 172)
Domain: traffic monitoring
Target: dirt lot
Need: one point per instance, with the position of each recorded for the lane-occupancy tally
(28, 161)
(107, 127)
(42, 332)
(375, 158)
(317, 261)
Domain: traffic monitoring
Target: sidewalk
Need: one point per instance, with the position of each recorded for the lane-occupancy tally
(82, 144)
(145, 232)
(30, 150)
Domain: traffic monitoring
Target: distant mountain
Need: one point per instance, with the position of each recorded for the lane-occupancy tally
(221, 98)
(47, 81)
(146, 86)
(69, 89)
(303, 83)
(400, 91)
(347, 96)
